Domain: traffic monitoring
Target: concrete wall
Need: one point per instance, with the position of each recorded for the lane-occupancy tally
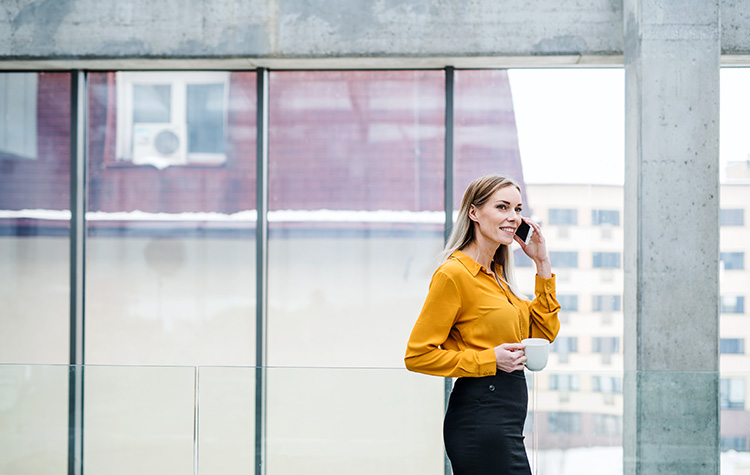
(262, 30)
(352, 33)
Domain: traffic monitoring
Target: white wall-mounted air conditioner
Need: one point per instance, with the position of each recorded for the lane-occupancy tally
(160, 145)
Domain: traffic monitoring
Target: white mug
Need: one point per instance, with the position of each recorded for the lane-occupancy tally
(537, 353)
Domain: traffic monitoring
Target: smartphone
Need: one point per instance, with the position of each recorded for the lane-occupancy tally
(524, 232)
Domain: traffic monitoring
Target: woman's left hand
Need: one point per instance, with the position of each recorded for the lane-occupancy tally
(536, 249)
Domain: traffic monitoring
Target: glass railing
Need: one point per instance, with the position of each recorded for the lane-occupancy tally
(203, 420)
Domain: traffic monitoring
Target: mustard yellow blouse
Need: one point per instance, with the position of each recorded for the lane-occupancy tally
(467, 314)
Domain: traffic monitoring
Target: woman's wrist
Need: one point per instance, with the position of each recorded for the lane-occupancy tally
(543, 268)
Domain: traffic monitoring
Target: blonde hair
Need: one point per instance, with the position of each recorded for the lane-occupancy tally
(462, 234)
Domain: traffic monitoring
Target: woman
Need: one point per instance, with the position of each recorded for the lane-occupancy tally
(472, 324)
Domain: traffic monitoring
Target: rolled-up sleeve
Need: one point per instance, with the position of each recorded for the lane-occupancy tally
(424, 351)
(543, 310)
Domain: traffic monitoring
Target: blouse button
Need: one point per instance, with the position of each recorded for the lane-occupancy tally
(492, 387)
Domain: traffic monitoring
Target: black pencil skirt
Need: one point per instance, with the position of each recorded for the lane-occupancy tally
(483, 426)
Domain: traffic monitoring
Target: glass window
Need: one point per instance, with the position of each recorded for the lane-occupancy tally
(606, 384)
(564, 259)
(19, 94)
(569, 303)
(732, 346)
(738, 443)
(173, 118)
(35, 128)
(732, 393)
(563, 217)
(733, 260)
(607, 424)
(605, 217)
(170, 259)
(606, 345)
(152, 103)
(35, 217)
(606, 260)
(563, 382)
(732, 217)
(732, 304)
(606, 303)
(520, 259)
(565, 344)
(184, 240)
(356, 162)
(206, 110)
(170, 256)
(564, 423)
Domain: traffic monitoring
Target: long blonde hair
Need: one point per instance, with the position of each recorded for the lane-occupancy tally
(462, 234)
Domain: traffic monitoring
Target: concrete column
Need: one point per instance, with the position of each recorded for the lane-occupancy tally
(672, 57)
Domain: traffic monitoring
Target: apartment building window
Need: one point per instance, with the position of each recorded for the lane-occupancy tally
(564, 423)
(606, 345)
(732, 304)
(172, 118)
(563, 217)
(563, 382)
(607, 424)
(569, 303)
(520, 259)
(564, 259)
(732, 393)
(606, 384)
(606, 303)
(606, 260)
(18, 106)
(605, 217)
(732, 217)
(732, 346)
(563, 346)
(733, 260)
(738, 443)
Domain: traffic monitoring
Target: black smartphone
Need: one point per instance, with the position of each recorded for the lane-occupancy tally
(524, 232)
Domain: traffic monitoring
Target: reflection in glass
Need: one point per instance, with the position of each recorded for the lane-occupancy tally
(34, 217)
(171, 253)
(355, 225)
(205, 118)
(152, 103)
(34, 270)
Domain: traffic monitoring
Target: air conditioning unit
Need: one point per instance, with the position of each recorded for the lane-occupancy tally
(160, 145)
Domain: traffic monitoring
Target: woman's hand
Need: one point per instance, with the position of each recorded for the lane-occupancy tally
(510, 357)
(536, 249)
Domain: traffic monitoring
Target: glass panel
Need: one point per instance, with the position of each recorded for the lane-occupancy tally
(171, 272)
(226, 422)
(734, 275)
(534, 119)
(356, 218)
(139, 420)
(34, 272)
(171, 252)
(576, 427)
(33, 419)
(337, 421)
(34, 230)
